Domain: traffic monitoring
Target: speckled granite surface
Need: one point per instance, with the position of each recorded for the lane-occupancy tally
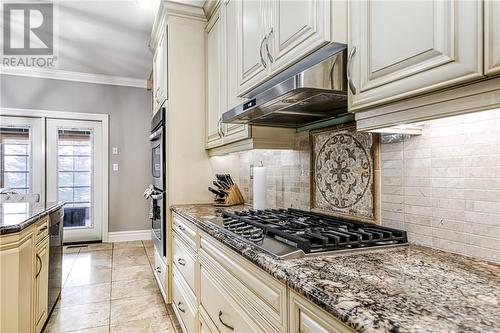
(15, 217)
(403, 289)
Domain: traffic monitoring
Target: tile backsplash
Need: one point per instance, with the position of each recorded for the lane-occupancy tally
(443, 187)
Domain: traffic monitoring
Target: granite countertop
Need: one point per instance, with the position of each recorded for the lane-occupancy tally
(402, 289)
(15, 217)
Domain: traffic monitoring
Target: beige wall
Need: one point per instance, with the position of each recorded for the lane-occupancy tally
(129, 110)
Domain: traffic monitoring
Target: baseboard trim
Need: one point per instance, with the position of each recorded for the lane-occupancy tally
(123, 236)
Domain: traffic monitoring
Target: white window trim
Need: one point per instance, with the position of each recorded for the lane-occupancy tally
(103, 118)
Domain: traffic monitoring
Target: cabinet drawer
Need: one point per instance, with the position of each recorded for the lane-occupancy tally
(41, 229)
(183, 302)
(185, 228)
(183, 258)
(161, 273)
(227, 315)
(306, 317)
(264, 296)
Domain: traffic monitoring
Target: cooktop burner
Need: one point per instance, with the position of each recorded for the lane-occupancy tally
(307, 232)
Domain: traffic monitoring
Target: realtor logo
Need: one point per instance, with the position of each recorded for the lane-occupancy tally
(29, 32)
(28, 29)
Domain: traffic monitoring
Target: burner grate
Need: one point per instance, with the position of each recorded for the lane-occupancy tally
(310, 232)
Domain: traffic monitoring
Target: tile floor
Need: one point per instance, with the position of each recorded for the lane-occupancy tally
(110, 287)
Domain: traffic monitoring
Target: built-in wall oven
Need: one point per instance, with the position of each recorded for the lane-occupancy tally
(158, 193)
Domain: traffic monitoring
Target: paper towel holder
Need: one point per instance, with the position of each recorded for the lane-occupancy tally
(253, 166)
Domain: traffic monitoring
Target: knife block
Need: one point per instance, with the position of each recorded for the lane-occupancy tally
(234, 197)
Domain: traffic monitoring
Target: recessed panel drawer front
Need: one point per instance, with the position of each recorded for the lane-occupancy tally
(185, 228)
(224, 312)
(184, 302)
(183, 258)
(41, 229)
(264, 296)
(306, 317)
(160, 271)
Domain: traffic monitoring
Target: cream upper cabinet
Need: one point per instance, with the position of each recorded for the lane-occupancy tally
(251, 29)
(492, 37)
(400, 49)
(41, 284)
(228, 12)
(214, 81)
(16, 279)
(160, 72)
(297, 28)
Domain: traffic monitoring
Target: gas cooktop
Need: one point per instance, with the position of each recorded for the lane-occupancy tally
(293, 233)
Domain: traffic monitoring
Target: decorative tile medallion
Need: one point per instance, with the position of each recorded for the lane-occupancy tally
(343, 172)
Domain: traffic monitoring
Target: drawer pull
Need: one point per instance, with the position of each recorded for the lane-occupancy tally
(181, 227)
(42, 229)
(180, 309)
(158, 270)
(223, 323)
(181, 262)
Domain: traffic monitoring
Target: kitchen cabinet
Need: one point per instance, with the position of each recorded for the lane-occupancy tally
(17, 272)
(214, 79)
(296, 29)
(491, 37)
(222, 88)
(306, 317)
(400, 49)
(251, 36)
(160, 71)
(41, 283)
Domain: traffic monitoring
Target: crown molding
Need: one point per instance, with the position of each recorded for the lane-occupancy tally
(57, 74)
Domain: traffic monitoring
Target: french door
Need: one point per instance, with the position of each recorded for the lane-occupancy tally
(75, 174)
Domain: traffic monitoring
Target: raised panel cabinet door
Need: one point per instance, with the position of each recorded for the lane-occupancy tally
(251, 29)
(232, 132)
(297, 29)
(41, 284)
(399, 49)
(492, 37)
(214, 82)
(16, 283)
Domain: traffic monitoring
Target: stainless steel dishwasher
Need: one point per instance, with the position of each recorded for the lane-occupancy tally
(55, 256)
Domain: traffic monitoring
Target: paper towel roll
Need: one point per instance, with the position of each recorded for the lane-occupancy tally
(259, 188)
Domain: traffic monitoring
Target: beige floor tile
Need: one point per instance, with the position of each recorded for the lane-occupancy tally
(82, 276)
(129, 251)
(100, 329)
(136, 308)
(85, 294)
(79, 317)
(132, 288)
(97, 247)
(130, 257)
(152, 325)
(148, 243)
(97, 259)
(121, 273)
(119, 245)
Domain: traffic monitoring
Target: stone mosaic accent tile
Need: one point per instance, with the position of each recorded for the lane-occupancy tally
(343, 172)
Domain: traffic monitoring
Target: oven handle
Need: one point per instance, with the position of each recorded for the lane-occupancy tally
(158, 196)
(156, 135)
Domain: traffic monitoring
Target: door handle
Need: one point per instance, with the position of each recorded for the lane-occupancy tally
(262, 61)
(267, 46)
(223, 323)
(352, 87)
(38, 259)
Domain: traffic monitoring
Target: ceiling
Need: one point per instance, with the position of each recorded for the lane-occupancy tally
(104, 37)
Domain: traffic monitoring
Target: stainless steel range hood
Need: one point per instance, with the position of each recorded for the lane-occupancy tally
(312, 90)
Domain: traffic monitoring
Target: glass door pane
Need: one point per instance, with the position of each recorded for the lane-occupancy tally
(74, 165)
(15, 158)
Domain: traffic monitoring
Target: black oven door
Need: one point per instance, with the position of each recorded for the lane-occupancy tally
(157, 159)
(157, 224)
